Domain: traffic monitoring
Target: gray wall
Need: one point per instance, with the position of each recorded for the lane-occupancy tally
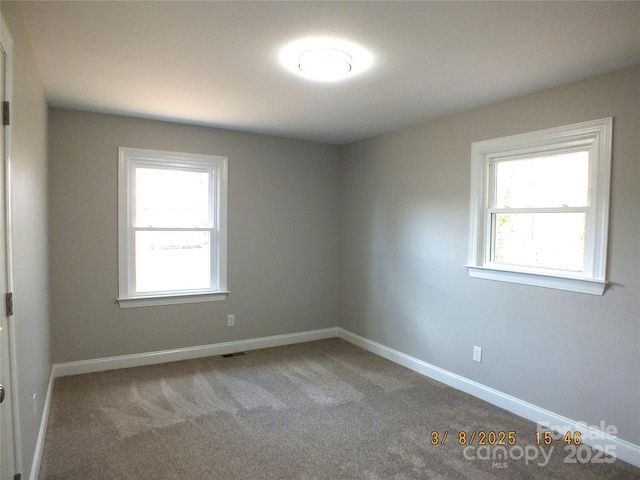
(404, 221)
(282, 239)
(29, 192)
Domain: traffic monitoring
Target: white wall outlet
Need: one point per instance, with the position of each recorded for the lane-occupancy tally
(477, 354)
(231, 320)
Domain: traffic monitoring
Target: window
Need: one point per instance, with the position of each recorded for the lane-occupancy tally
(539, 207)
(172, 227)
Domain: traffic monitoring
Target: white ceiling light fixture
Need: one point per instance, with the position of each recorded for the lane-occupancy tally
(325, 59)
(325, 64)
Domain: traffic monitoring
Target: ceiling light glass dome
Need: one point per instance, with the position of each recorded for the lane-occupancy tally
(324, 59)
(325, 63)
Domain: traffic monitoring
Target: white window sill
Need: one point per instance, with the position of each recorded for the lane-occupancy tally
(152, 300)
(572, 284)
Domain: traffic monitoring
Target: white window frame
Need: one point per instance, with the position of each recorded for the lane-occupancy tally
(129, 159)
(593, 135)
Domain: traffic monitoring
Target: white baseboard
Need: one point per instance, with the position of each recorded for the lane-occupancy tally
(590, 435)
(152, 358)
(44, 421)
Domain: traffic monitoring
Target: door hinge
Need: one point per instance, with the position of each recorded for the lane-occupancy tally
(9, 303)
(6, 113)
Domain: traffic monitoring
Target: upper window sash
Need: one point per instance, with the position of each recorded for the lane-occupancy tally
(594, 136)
(199, 167)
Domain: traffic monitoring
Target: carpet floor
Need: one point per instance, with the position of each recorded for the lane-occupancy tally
(318, 410)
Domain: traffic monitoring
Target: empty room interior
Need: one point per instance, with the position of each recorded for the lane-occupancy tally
(424, 263)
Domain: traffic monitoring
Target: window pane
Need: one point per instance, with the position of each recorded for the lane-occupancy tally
(171, 198)
(172, 261)
(551, 181)
(550, 240)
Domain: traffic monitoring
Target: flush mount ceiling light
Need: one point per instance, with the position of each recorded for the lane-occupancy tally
(325, 59)
(325, 63)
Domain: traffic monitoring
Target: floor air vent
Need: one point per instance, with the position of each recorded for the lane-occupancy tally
(229, 355)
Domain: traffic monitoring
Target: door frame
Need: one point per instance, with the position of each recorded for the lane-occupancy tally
(6, 44)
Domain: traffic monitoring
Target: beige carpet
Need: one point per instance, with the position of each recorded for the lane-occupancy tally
(319, 410)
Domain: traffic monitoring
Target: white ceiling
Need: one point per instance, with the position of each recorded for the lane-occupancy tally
(216, 63)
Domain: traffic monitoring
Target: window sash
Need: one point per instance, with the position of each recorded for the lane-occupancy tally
(492, 234)
(543, 154)
(212, 267)
(211, 172)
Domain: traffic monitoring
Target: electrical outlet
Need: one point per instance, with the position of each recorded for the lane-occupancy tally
(231, 320)
(477, 354)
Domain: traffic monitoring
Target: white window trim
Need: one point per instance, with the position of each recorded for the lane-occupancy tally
(595, 135)
(128, 159)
